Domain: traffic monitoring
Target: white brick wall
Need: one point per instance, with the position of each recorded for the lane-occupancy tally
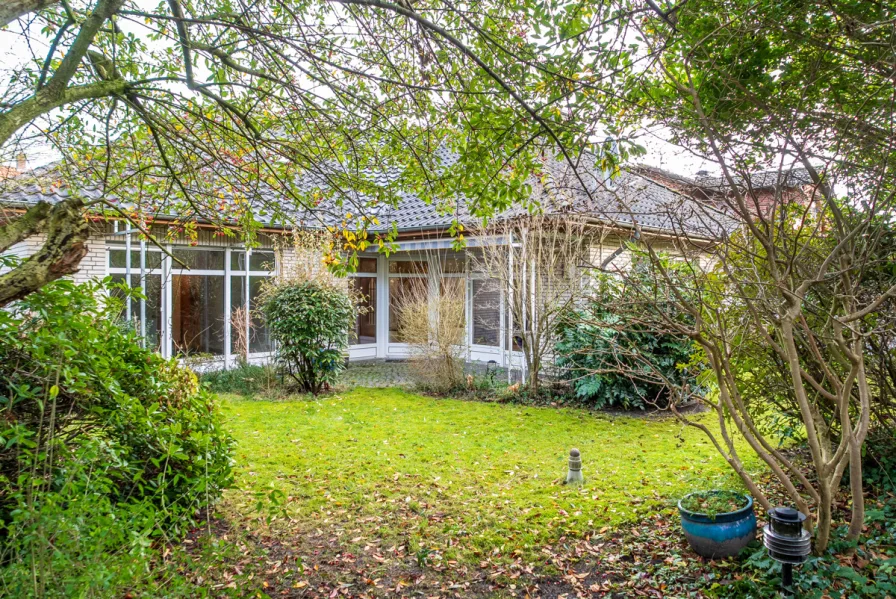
(23, 249)
(92, 266)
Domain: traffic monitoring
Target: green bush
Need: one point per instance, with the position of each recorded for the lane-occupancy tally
(96, 431)
(310, 321)
(870, 574)
(879, 461)
(611, 361)
(245, 379)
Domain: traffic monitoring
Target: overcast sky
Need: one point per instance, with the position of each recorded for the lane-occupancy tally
(14, 51)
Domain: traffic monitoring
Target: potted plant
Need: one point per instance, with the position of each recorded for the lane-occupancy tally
(717, 523)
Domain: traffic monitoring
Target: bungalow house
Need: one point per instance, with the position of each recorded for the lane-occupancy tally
(192, 309)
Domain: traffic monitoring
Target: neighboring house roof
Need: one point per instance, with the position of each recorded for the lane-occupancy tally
(629, 199)
(665, 177)
(770, 179)
(7, 172)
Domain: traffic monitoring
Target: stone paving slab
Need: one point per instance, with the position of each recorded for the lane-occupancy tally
(398, 374)
(377, 374)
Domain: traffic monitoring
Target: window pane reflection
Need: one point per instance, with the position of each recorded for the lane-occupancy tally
(486, 312)
(197, 316)
(198, 259)
(365, 324)
(153, 293)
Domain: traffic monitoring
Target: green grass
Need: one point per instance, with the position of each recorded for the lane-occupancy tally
(463, 479)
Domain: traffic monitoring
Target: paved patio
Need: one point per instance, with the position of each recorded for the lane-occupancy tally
(377, 374)
(397, 374)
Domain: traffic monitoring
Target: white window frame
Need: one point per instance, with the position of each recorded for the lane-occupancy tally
(141, 271)
(169, 269)
(399, 347)
(376, 299)
(248, 273)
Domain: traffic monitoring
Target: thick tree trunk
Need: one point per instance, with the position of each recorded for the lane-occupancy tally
(857, 519)
(25, 226)
(66, 230)
(10, 10)
(823, 526)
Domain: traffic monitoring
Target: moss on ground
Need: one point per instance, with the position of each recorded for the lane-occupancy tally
(457, 479)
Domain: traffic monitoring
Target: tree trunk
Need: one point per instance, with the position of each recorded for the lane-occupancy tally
(534, 368)
(823, 526)
(67, 231)
(857, 518)
(10, 10)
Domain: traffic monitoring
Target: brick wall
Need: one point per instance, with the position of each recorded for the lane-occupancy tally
(93, 265)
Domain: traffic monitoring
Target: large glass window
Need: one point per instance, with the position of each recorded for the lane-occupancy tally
(402, 290)
(425, 280)
(363, 282)
(197, 302)
(237, 314)
(198, 284)
(408, 279)
(117, 268)
(261, 266)
(259, 337)
(153, 310)
(365, 323)
(197, 314)
(486, 312)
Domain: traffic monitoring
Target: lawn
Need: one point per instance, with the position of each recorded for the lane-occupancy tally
(457, 480)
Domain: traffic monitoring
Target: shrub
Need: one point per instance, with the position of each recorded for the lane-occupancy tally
(97, 429)
(309, 320)
(613, 362)
(879, 461)
(245, 379)
(433, 328)
(869, 573)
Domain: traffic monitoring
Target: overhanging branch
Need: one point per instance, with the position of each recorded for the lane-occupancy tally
(66, 233)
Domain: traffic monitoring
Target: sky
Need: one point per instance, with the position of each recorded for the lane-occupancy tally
(14, 51)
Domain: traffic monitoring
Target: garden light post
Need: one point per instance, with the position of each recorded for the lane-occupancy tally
(574, 476)
(787, 542)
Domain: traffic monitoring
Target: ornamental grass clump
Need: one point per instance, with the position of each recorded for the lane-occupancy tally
(433, 327)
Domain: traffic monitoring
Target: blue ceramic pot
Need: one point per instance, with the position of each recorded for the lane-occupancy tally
(719, 535)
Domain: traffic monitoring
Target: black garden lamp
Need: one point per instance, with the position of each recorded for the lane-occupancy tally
(787, 542)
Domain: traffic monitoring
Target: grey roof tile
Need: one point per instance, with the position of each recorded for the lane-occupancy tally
(627, 200)
(770, 179)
